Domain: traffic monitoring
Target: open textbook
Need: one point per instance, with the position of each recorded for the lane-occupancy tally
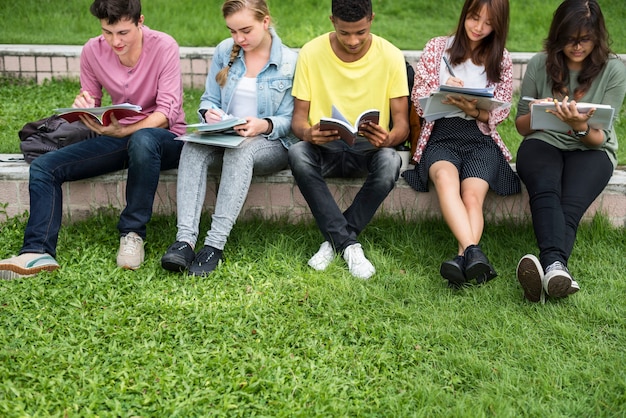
(224, 125)
(540, 118)
(434, 108)
(347, 132)
(100, 114)
(213, 138)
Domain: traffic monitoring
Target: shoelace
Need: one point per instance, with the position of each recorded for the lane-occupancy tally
(130, 244)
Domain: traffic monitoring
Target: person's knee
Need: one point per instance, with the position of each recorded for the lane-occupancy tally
(143, 145)
(388, 164)
(297, 155)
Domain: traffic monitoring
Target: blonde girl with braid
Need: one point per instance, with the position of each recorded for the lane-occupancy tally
(250, 77)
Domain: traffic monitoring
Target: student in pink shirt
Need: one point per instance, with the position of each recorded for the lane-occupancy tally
(134, 64)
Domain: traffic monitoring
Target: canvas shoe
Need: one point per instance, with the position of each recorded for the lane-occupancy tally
(530, 276)
(178, 257)
(205, 261)
(26, 265)
(358, 265)
(557, 281)
(131, 253)
(323, 257)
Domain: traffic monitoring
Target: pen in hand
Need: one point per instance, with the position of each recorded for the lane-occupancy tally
(449, 66)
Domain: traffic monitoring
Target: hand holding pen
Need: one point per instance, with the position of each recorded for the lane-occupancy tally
(453, 80)
(214, 115)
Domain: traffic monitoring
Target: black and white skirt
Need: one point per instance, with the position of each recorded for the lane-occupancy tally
(474, 154)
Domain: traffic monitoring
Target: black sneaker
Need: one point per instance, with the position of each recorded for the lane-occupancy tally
(206, 261)
(454, 272)
(178, 257)
(477, 266)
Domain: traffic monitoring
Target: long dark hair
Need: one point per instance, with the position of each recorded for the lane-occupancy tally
(491, 49)
(570, 19)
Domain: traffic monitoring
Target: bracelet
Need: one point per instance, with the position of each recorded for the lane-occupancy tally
(270, 126)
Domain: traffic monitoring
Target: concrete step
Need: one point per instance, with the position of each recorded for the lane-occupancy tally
(277, 196)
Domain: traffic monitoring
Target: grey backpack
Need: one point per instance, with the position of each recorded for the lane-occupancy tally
(49, 134)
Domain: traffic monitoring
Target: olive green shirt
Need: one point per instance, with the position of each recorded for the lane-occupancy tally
(609, 88)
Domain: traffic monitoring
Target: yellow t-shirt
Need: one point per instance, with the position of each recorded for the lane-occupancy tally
(324, 80)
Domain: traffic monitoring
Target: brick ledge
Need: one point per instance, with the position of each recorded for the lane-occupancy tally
(277, 195)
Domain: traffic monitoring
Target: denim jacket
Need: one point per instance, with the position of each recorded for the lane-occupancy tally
(274, 82)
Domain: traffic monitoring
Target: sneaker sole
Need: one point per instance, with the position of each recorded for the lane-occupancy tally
(174, 263)
(481, 272)
(452, 274)
(529, 277)
(558, 286)
(28, 271)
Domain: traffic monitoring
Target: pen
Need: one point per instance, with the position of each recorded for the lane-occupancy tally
(449, 66)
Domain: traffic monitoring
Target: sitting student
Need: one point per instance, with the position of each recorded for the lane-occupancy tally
(250, 77)
(354, 70)
(133, 64)
(564, 172)
(463, 154)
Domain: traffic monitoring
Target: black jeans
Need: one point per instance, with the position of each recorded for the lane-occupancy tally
(310, 164)
(561, 186)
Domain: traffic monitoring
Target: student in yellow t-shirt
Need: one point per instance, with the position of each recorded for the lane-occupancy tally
(352, 70)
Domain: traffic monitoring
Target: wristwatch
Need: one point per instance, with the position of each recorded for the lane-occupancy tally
(581, 134)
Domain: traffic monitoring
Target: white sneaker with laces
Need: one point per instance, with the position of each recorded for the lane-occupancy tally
(323, 257)
(358, 265)
(131, 253)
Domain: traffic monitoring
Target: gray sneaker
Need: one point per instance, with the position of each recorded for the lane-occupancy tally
(131, 253)
(557, 281)
(358, 265)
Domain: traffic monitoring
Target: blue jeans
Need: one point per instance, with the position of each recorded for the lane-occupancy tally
(310, 164)
(235, 166)
(145, 153)
(561, 186)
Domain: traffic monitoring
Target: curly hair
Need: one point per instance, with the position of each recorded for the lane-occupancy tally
(352, 10)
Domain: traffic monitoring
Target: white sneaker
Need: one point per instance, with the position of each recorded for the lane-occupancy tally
(530, 276)
(557, 281)
(131, 252)
(26, 265)
(358, 265)
(323, 257)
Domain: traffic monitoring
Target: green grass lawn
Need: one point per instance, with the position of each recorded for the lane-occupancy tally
(265, 335)
(406, 23)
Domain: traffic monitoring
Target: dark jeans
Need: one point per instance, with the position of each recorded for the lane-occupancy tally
(310, 164)
(561, 186)
(145, 154)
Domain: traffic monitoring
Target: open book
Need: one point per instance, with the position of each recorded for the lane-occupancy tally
(211, 138)
(434, 108)
(347, 132)
(100, 114)
(540, 118)
(226, 124)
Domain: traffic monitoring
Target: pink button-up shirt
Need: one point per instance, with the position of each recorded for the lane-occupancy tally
(154, 83)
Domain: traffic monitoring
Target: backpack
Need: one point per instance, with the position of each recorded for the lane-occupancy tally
(415, 124)
(49, 134)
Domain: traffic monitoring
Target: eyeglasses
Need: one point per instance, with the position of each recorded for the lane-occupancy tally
(583, 41)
